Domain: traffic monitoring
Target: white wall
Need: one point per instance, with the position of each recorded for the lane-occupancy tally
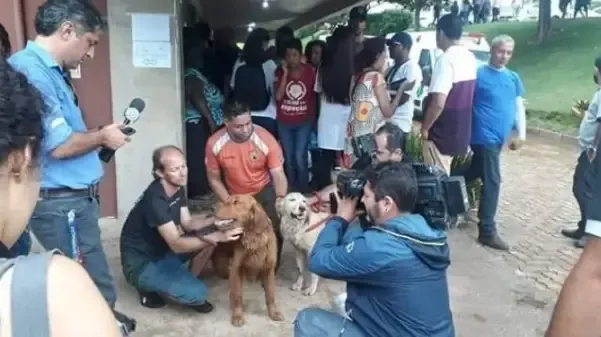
(161, 121)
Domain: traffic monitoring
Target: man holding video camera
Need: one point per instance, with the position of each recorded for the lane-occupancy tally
(395, 268)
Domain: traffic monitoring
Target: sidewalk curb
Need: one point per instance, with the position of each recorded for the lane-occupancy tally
(554, 136)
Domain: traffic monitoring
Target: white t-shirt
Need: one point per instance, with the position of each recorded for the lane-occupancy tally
(410, 72)
(332, 122)
(269, 68)
(456, 64)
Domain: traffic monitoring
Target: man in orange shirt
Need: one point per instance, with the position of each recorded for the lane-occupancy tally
(250, 161)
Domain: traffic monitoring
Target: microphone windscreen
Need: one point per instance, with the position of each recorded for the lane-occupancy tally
(138, 104)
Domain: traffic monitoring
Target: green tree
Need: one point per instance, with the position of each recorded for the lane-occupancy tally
(416, 6)
(388, 22)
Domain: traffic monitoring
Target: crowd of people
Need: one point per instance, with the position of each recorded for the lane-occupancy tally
(336, 100)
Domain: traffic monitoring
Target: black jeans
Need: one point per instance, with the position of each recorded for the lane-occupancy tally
(486, 165)
(197, 134)
(323, 162)
(266, 198)
(587, 189)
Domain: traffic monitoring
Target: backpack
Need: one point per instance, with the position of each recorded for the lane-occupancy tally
(250, 87)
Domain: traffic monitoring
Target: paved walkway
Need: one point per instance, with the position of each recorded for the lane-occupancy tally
(493, 294)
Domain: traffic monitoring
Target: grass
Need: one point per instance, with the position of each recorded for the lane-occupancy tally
(556, 73)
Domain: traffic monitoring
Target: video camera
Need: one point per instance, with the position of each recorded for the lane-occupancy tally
(439, 198)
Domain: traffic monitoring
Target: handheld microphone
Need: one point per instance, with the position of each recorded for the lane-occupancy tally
(131, 115)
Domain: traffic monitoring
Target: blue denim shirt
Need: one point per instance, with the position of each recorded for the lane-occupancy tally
(61, 118)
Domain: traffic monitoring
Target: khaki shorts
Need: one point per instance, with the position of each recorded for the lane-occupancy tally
(433, 157)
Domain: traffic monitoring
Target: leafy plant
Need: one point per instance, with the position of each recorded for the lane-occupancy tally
(414, 149)
(579, 108)
(391, 21)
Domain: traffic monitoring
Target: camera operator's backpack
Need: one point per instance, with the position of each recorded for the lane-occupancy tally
(250, 87)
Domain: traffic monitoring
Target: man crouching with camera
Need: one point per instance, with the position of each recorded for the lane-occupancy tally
(395, 267)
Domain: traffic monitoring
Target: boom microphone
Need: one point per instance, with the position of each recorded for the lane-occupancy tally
(130, 115)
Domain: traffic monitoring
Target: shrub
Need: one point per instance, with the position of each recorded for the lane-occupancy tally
(386, 22)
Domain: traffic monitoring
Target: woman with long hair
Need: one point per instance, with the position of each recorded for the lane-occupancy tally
(23, 244)
(370, 101)
(255, 65)
(332, 85)
(42, 287)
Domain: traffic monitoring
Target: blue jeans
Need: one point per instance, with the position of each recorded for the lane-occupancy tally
(49, 224)
(486, 165)
(313, 322)
(23, 244)
(295, 143)
(170, 277)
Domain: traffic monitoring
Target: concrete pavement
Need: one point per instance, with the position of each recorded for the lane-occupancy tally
(493, 294)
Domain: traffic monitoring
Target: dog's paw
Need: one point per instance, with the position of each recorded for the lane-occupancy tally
(238, 321)
(309, 291)
(298, 285)
(276, 315)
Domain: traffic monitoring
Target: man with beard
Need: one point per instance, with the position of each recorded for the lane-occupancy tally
(250, 161)
(153, 247)
(394, 269)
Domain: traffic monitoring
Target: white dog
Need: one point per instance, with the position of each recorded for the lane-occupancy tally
(301, 227)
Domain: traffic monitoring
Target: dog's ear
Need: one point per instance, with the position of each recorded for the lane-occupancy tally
(259, 217)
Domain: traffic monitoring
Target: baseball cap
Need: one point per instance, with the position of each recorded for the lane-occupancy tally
(358, 13)
(402, 39)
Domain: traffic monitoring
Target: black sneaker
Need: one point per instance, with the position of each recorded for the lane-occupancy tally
(126, 324)
(575, 234)
(493, 241)
(203, 308)
(151, 300)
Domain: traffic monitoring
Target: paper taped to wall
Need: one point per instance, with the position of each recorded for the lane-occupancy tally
(151, 40)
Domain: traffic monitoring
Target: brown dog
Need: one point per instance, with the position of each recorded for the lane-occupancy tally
(253, 257)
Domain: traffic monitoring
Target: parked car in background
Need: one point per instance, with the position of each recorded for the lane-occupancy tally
(425, 51)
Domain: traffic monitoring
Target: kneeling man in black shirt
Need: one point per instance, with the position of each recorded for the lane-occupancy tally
(153, 247)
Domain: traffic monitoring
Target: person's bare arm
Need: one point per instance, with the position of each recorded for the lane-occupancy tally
(196, 96)
(387, 107)
(217, 185)
(440, 86)
(70, 288)
(226, 87)
(578, 308)
(280, 183)
(435, 107)
(281, 89)
(180, 244)
(404, 95)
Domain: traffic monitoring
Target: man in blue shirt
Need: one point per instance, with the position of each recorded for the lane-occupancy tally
(498, 107)
(395, 269)
(67, 212)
